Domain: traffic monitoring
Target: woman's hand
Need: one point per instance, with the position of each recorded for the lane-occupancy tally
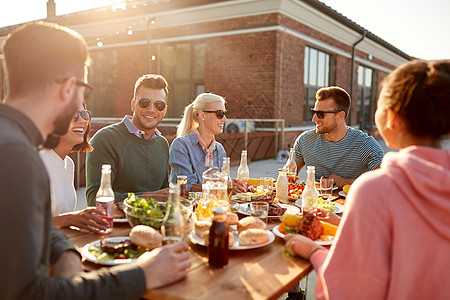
(300, 245)
(88, 219)
(327, 216)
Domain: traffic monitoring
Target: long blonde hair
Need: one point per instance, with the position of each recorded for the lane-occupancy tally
(189, 122)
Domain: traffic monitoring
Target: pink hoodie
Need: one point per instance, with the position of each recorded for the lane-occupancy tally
(394, 237)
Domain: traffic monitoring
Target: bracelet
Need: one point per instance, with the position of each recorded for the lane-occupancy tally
(315, 250)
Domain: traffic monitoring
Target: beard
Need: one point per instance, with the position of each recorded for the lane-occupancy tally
(62, 122)
(330, 128)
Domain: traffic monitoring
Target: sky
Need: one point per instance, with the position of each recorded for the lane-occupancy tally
(417, 27)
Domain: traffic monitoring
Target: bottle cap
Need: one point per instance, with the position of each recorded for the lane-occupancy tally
(218, 210)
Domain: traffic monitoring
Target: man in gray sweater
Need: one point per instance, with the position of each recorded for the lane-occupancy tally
(45, 65)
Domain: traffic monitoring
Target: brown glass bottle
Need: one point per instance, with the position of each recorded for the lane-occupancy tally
(184, 190)
(218, 252)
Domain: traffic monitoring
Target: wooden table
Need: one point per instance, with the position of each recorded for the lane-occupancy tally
(262, 273)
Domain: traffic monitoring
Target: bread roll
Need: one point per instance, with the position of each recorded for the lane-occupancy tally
(232, 218)
(253, 236)
(250, 222)
(202, 229)
(230, 239)
(145, 237)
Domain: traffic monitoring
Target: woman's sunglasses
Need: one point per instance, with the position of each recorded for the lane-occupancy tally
(321, 113)
(83, 114)
(144, 103)
(219, 113)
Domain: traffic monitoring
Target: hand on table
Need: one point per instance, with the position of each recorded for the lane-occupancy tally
(300, 245)
(67, 264)
(159, 195)
(164, 265)
(327, 216)
(340, 182)
(239, 186)
(88, 219)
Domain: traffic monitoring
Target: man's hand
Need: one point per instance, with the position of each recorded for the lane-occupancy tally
(67, 264)
(159, 195)
(164, 265)
(340, 182)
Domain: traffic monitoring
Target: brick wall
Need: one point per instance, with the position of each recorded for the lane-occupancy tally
(242, 69)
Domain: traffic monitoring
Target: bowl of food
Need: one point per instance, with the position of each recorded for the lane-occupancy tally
(144, 211)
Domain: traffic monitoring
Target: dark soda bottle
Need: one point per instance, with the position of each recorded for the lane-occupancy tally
(218, 252)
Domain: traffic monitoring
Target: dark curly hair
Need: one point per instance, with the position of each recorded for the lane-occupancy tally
(53, 140)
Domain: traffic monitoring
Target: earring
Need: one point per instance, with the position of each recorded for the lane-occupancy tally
(388, 125)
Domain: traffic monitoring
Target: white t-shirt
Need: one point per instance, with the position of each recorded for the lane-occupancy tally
(61, 174)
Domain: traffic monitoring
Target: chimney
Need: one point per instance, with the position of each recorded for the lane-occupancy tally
(51, 9)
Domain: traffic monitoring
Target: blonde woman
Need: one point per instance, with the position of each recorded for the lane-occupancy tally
(195, 149)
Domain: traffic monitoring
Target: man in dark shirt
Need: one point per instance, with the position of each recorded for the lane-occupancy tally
(44, 66)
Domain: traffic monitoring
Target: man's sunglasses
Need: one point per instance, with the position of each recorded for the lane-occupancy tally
(87, 88)
(159, 104)
(83, 114)
(219, 113)
(321, 113)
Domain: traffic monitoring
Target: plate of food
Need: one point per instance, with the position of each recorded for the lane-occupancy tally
(332, 206)
(195, 239)
(123, 249)
(328, 242)
(111, 251)
(119, 214)
(275, 209)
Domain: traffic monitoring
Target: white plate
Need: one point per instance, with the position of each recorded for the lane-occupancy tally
(343, 194)
(195, 239)
(338, 208)
(121, 220)
(281, 235)
(112, 262)
(290, 209)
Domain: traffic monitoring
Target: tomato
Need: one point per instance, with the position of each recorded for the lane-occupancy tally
(121, 256)
(281, 228)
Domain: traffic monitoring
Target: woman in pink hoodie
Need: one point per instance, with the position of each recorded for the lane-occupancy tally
(393, 241)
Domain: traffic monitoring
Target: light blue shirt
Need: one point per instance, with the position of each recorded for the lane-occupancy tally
(186, 157)
(136, 131)
(353, 155)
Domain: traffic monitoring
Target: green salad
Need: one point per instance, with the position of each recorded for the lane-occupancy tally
(325, 204)
(102, 256)
(146, 211)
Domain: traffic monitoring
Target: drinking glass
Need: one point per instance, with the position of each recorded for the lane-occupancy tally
(267, 184)
(259, 210)
(326, 187)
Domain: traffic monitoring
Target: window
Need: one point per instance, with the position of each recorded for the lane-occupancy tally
(366, 98)
(317, 74)
(102, 75)
(183, 65)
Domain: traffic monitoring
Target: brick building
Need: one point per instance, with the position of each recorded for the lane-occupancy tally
(266, 57)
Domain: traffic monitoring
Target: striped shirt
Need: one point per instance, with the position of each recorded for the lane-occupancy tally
(353, 155)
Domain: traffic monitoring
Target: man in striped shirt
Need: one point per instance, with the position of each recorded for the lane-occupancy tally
(336, 150)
